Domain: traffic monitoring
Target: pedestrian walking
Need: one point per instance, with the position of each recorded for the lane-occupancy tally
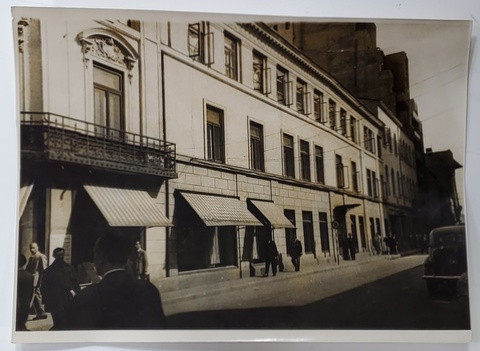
(352, 249)
(119, 301)
(24, 293)
(296, 252)
(141, 262)
(35, 266)
(60, 285)
(345, 248)
(271, 256)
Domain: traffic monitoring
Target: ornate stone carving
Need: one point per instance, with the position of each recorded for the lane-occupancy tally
(107, 48)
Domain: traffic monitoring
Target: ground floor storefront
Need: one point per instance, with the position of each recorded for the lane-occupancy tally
(210, 224)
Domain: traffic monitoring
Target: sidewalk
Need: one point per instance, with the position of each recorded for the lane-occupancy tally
(312, 283)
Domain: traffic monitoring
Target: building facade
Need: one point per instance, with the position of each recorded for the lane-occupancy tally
(202, 140)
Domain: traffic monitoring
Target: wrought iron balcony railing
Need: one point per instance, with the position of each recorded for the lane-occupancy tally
(58, 138)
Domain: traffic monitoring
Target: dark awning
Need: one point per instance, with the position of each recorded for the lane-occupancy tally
(218, 211)
(273, 214)
(344, 208)
(127, 207)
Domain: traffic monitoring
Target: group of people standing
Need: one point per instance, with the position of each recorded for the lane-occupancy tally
(273, 258)
(124, 298)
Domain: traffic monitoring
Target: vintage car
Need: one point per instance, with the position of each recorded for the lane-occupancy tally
(446, 264)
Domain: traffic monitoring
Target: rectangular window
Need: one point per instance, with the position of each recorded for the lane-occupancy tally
(195, 42)
(368, 139)
(343, 121)
(354, 177)
(288, 156)
(301, 89)
(374, 184)
(361, 225)
(324, 239)
(339, 171)
(305, 159)
(215, 135)
(200, 43)
(108, 101)
(308, 232)
(282, 80)
(379, 146)
(353, 129)
(399, 184)
(387, 183)
(394, 191)
(290, 233)
(231, 49)
(319, 164)
(260, 78)
(257, 160)
(318, 106)
(369, 183)
(332, 114)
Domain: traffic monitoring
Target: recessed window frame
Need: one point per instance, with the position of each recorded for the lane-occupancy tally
(215, 134)
(288, 153)
(305, 169)
(257, 150)
(232, 56)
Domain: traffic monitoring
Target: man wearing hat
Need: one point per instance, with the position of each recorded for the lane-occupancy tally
(60, 285)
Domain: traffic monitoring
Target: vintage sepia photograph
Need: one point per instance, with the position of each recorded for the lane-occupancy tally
(186, 171)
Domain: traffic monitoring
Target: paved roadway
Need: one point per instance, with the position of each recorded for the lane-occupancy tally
(399, 301)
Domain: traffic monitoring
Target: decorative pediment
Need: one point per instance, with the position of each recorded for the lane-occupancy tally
(108, 46)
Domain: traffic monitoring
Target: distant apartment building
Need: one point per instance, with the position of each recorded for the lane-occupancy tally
(201, 140)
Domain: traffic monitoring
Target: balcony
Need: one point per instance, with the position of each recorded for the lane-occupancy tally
(51, 137)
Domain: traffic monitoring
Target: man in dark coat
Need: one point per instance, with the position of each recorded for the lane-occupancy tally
(119, 301)
(352, 249)
(296, 251)
(141, 262)
(24, 293)
(271, 254)
(35, 266)
(59, 286)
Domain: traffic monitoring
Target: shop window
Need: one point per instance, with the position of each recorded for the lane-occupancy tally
(324, 238)
(290, 233)
(308, 232)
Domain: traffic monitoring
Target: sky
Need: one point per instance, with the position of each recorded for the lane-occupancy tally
(438, 54)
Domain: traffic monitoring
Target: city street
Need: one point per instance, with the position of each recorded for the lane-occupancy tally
(399, 301)
(378, 293)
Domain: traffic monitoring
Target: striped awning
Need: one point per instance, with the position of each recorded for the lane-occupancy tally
(218, 211)
(25, 192)
(127, 207)
(272, 214)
